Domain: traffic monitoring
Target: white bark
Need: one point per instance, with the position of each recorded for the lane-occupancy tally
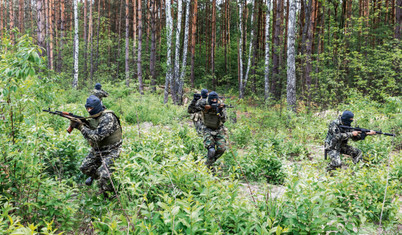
(291, 70)
(76, 45)
(240, 50)
(127, 47)
(266, 71)
(177, 53)
(169, 28)
(185, 46)
(250, 50)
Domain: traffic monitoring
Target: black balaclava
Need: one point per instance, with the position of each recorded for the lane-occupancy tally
(95, 103)
(98, 86)
(346, 116)
(211, 96)
(204, 93)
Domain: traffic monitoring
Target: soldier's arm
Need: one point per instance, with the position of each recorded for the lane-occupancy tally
(106, 127)
(105, 94)
(191, 107)
(199, 106)
(338, 135)
(223, 115)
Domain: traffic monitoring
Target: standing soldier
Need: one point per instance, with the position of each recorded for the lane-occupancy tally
(99, 92)
(196, 114)
(104, 134)
(214, 117)
(336, 142)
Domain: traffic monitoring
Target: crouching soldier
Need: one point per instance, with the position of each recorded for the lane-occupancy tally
(336, 142)
(104, 134)
(214, 116)
(99, 92)
(196, 114)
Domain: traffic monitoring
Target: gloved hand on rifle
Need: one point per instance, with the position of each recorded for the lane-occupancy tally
(76, 123)
(197, 96)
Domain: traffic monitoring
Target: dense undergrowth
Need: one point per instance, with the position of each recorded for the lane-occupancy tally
(162, 184)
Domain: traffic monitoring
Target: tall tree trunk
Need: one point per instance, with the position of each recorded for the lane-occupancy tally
(127, 45)
(90, 39)
(177, 54)
(240, 59)
(276, 51)
(50, 17)
(97, 37)
(169, 28)
(185, 47)
(21, 16)
(250, 51)
(152, 60)
(76, 44)
(309, 48)
(85, 38)
(139, 68)
(118, 22)
(398, 20)
(41, 25)
(62, 24)
(134, 37)
(213, 42)
(266, 70)
(1, 18)
(291, 70)
(194, 34)
(11, 19)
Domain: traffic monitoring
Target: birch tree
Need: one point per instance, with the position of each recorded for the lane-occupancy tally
(41, 25)
(76, 45)
(127, 45)
(243, 88)
(291, 68)
(185, 46)
(266, 71)
(152, 61)
(169, 29)
(240, 50)
(175, 84)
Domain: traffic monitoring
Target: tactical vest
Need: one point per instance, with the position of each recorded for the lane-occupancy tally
(111, 139)
(211, 120)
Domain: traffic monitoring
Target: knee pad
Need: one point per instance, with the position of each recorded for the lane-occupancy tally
(211, 153)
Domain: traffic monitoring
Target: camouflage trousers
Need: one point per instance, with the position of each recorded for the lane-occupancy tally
(199, 126)
(214, 139)
(93, 166)
(336, 162)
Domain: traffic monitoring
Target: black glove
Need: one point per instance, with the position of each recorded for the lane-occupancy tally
(76, 124)
(197, 96)
(363, 135)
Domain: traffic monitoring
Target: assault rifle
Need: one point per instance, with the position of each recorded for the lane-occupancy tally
(69, 116)
(217, 108)
(364, 130)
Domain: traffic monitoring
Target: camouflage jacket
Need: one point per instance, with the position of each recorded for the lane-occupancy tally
(104, 132)
(338, 137)
(195, 113)
(99, 93)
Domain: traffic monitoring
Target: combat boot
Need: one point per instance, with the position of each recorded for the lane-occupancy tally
(210, 157)
(89, 181)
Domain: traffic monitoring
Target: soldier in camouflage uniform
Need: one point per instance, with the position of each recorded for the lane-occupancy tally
(99, 92)
(104, 134)
(196, 114)
(213, 117)
(337, 139)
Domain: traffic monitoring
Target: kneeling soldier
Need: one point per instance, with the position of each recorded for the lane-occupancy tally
(104, 134)
(336, 142)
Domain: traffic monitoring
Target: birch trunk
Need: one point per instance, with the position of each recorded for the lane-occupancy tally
(169, 28)
(139, 68)
(21, 16)
(250, 51)
(127, 45)
(85, 37)
(76, 45)
(266, 71)
(185, 46)
(241, 95)
(291, 70)
(97, 37)
(41, 25)
(50, 17)
(176, 77)
(134, 36)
